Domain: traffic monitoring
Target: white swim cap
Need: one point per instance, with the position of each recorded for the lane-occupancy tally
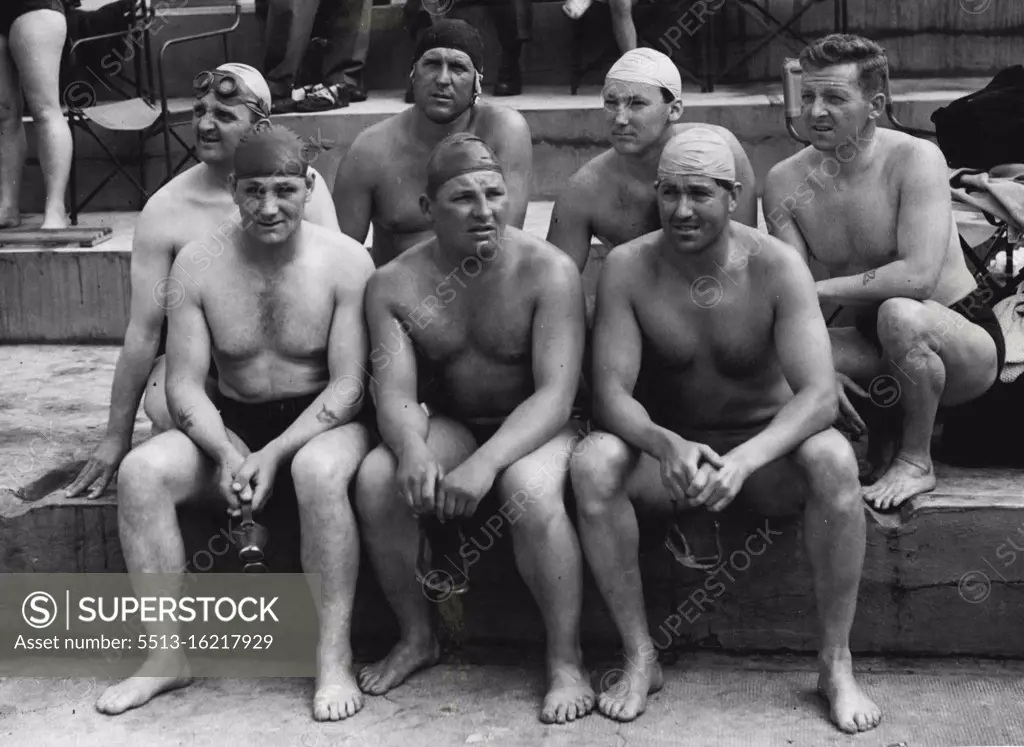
(253, 80)
(698, 152)
(644, 65)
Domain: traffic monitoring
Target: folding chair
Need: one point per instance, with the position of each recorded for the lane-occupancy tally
(139, 106)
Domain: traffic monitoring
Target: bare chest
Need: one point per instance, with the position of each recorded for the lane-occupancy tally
(624, 213)
(710, 331)
(850, 229)
(397, 193)
(249, 314)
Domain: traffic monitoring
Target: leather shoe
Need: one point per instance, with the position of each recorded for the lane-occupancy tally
(510, 87)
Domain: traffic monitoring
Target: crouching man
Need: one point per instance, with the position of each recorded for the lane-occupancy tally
(280, 313)
(738, 399)
(482, 325)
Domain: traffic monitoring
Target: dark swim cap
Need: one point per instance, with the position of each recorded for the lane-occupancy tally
(451, 33)
(458, 154)
(270, 150)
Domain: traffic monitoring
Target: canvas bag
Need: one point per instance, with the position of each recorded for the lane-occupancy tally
(986, 128)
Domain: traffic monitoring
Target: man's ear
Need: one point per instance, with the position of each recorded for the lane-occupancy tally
(878, 102)
(734, 196)
(675, 111)
(310, 184)
(426, 208)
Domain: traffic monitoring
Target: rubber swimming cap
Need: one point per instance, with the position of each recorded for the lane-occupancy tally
(644, 65)
(273, 150)
(252, 79)
(456, 155)
(698, 152)
(452, 33)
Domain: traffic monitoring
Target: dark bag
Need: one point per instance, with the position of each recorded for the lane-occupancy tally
(986, 431)
(986, 128)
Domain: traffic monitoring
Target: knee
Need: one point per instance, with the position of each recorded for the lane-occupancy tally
(140, 475)
(828, 461)
(317, 465)
(375, 484)
(902, 322)
(533, 495)
(598, 471)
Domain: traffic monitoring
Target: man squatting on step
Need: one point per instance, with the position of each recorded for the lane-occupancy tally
(483, 325)
(873, 206)
(197, 205)
(719, 326)
(281, 313)
(384, 173)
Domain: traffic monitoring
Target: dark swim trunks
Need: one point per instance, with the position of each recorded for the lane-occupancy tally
(11, 10)
(971, 307)
(259, 423)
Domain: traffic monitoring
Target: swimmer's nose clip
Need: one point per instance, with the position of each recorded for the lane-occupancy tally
(679, 546)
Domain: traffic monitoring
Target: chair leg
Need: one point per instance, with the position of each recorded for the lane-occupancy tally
(73, 176)
(576, 73)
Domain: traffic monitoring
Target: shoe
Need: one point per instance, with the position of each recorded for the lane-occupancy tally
(283, 105)
(356, 93)
(324, 98)
(508, 87)
(576, 8)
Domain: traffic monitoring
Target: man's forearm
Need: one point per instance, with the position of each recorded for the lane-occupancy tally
(198, 418)
(808, 413)
(134, 365)
(336, 405)
(532, 424)
(402, 422)
(624, 416)
(894, 280)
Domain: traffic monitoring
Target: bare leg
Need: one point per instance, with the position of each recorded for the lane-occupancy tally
(37, 43)
(610, 538)
(835, 528)
(937, 356)
(622, 24)
(392, 534)
(322, 471)
(12, 139)
(548, 558)
(157, 477)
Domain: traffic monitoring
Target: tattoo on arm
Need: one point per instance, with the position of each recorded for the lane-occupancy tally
(184, 419)
(869, 276)
(327, 416)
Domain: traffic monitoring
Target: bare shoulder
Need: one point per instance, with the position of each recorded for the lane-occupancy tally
(543, 262)
(789, 170)
(402, 272)
(341, 253)
(631, 260)
(583, 191)
(768, 254)
(907, 154)
(498, 124)
(371, 146)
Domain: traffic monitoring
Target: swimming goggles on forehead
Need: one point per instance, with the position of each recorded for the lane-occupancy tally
(225, 84)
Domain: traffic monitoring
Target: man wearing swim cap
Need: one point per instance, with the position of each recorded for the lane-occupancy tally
(873, 206)
(713, 378)
(612, 196)
(280, 312)
(383, 174)
(196, 205)
(483, 325)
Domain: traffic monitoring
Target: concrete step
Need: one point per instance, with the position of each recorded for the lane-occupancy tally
(945, 564)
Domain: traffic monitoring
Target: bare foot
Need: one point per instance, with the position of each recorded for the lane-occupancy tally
(391, 671)
(569, 696)
(904, 479)
(881, 451)
(337, 695)
(141, 688)
(849, 708)
(56, 221)
(10, 218)
(625, 696)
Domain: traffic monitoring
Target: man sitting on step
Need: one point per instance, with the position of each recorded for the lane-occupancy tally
(281, 314)
(483, 324)
(873, 206)
(713, 376)
(384, 173)
(612, 196)
(196, 205)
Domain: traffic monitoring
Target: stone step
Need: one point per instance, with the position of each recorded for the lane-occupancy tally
(944, 575)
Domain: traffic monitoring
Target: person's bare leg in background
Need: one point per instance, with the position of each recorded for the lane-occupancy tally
(12, 139)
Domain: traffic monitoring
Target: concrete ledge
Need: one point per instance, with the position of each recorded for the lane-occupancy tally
(916, 596)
